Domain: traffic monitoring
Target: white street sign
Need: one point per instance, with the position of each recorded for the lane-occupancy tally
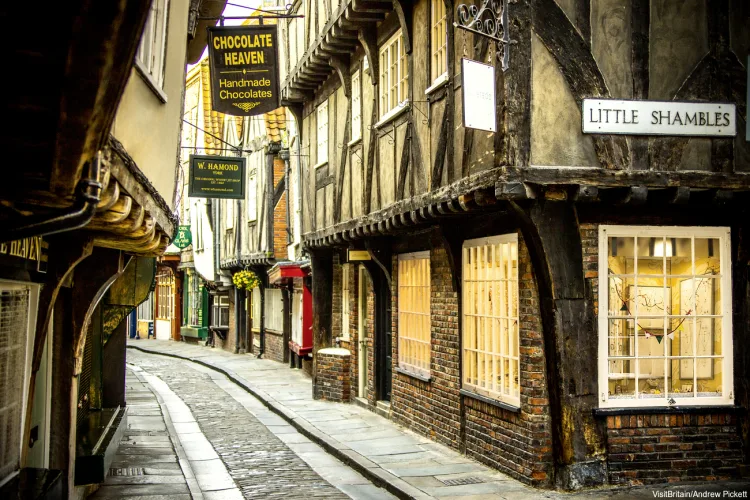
(611, 116)
(479, 95)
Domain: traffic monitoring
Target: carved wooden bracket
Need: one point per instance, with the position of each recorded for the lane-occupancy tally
(404, 11)
(368, 39)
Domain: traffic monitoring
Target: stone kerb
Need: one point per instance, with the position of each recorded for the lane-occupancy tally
(333, 380)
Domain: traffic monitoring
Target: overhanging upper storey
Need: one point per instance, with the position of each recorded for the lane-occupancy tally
(328, 33)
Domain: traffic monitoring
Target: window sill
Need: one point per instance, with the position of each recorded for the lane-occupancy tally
(490, 401)
(400, 109)
(411, 374)
(438, 83)
(668, 410)
(354, 142)
(321, 164)
(148, 79)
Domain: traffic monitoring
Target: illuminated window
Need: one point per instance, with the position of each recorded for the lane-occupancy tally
(414, 312)
(438, 40)
(393, 74)
(490, 317)
(665, 315)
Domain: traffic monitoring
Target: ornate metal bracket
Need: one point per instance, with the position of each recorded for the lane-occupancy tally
(488, 22)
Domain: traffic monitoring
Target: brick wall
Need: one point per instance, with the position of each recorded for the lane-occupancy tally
(333, 381)
(517, 443)
(336, 305)
(432, 408)
(648, 449)
(274, 346)
(279, 213)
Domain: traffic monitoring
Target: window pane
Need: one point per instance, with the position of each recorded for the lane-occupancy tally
(707, 251)
(680, 378)
(621, 337)
(651, 378)
(620, 255)
(709, 386)
(621, 378)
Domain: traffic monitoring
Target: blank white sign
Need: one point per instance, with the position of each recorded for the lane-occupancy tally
(479, 95)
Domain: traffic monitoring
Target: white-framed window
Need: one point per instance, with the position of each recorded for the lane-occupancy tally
(165, 292)
(18, 310)
(490, 317)
(393, 74)
(195, 299)
(345, 301)
(322, 123)
(356, 106)
(255, 308)
(230, 214)
(665, 316)
(438, 40)
(414, 312)
(146, 309)
(151, 56)
(220, 311)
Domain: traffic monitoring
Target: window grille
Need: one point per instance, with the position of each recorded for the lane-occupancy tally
(14, 326)
(393, 74)
(220, 311)
(414, 312)
(438, 39)
(490, 317)
(151, 55)
(665, 316)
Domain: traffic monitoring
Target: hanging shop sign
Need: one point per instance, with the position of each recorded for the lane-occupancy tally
(216, 177)
(244, 73)
(478, 84)
(30, 254)
(357, 255)
(611, 116)
(184, 237)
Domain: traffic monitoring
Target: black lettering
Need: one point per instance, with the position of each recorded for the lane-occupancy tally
(677, 119)
(691, 119)
(661, 117)
(654, 118)
(634, 116)
(726, 119)
(592, 115)
(701, 118)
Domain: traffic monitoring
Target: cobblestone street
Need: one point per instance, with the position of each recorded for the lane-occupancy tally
(265, 457)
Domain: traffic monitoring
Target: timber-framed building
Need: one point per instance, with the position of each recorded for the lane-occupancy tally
(568, 308)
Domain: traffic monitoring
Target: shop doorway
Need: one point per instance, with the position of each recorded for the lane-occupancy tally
(362, 314)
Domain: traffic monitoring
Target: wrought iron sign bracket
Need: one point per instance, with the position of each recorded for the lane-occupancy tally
(491, 21)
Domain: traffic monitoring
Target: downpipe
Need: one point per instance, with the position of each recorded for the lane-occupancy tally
(88, 196)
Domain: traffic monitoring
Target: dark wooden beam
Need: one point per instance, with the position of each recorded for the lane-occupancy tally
(405, 15)
(640, 19)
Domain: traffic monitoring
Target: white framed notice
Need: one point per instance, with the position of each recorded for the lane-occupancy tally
(612, 116)
(478, 84)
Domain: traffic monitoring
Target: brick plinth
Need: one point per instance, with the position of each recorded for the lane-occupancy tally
(648, 449)
(333, 381)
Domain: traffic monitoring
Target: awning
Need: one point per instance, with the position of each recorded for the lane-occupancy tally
(284, 271)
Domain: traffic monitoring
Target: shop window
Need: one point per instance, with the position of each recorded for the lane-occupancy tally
(665, 316)
(146, 309)
(356, 107)
(255, 308)
(220, 312)
(17, 307)
(414, 312)
(274, 310)
(490, 317)
(194, 299)
(322, 123)
(165, 296)
(438, 40)
(151, 56)
(297, 317)
(345, 302)
(393, 75)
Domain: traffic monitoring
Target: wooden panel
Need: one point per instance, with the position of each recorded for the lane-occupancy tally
(387, 165)
(400, 136)
(329, 196)
(320, 208)
(437, 112)
(357, 177)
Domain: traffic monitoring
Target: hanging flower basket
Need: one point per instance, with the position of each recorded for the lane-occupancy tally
(246, 280)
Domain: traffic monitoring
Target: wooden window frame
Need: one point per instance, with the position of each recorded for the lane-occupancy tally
(502, 345)
(438, 43)
(356, 107)
(414, 341)
(605, 316)
(221, 301)
(321, 138)
(345, 273)
(151, 57)
(394, 78)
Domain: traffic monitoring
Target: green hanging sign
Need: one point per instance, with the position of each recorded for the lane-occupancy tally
(184, 237)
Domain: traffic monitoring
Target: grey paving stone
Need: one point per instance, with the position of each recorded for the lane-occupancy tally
(146, 479)
(115, 491)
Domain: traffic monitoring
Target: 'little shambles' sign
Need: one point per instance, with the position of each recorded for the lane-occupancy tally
(610, 116)
(244, 77)
(216, 177)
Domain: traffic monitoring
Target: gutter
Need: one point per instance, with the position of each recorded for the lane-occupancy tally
(88, 196)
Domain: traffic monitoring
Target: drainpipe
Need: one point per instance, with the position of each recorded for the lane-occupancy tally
(298, 173)
(237, 320)
(88, 193)
(262, 320)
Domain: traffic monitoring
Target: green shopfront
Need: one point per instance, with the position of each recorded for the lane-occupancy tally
(195, 306)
